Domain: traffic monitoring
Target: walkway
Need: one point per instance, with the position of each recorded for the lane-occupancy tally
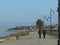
(33, 39)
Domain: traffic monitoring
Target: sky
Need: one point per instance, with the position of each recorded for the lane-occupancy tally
(25, 12)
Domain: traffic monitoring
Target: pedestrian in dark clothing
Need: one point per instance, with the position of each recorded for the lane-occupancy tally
(39, 33)
(44, 33)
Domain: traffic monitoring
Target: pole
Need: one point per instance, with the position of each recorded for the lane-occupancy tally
(58, 22)
(50, 20)
(44, 22)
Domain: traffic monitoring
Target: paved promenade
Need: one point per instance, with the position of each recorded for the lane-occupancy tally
(33, 39)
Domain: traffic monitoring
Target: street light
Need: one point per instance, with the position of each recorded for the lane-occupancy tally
(51, 12)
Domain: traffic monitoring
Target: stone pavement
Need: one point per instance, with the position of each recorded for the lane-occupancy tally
(32, 39)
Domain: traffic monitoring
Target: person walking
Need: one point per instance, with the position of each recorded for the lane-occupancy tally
(44, 33)
(39, 33)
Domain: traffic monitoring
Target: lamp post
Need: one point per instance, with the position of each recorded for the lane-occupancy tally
(50, 20)
(58, 22)
(51, 12)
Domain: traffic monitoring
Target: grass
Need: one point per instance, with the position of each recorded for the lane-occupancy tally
(23, 33)
(2, 41)
(54, 33)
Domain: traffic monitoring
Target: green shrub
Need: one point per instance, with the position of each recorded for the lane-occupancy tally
(55, 33)
(24, 33)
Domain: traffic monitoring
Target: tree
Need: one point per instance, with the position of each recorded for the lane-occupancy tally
(39, 23)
